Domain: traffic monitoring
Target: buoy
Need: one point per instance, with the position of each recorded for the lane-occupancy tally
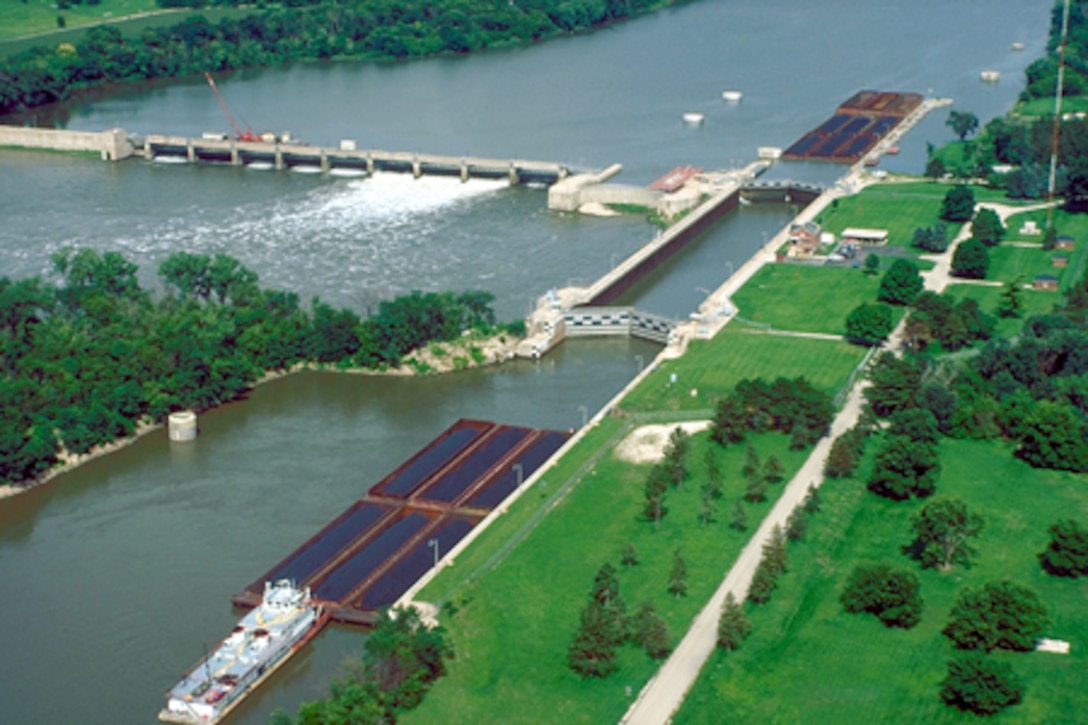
(990, 76)
(182, 426)
(693, 119)
(732, 96)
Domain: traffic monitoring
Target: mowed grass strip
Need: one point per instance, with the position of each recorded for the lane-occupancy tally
(805, 299)
(809, 661)
(512, 627)
(898, 207)
(712, 368)
(1024, 263)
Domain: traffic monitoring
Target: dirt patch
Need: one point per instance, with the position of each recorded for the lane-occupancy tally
(647, 443)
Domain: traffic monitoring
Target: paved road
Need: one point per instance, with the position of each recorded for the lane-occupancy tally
(663, 694)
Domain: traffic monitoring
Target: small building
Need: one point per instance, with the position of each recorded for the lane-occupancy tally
(1064, 241)
(870, 237)
(804, 238)
(1029, 228)
(1059, 260)
(1046, 282)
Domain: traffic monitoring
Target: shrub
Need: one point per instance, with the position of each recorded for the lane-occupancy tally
(1067, 552)
(997, 615)
(981, 685)
(891, 594)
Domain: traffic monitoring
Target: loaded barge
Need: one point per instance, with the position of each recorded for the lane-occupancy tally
(366, 558)
(857, 126)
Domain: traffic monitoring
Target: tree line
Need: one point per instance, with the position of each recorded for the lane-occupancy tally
(295, 30)
(88, 355)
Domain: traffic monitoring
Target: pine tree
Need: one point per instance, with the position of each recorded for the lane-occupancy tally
(797, 524)
(812, 499)
(676, 456)
(713, 473)
(733, 626)
(775, 550)
(592, 653)
(651, 631)
(739, 522)
(678, 575)
(629, 557)
(657, 483)
(764, 582)
(755, 490)
(708, 507)
(752, 467)
(773, 470)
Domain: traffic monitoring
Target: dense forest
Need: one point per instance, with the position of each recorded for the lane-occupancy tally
(85, 358)
(295, 30)
(1042, 75)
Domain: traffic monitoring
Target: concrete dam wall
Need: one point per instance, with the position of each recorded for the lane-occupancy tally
(112, 145)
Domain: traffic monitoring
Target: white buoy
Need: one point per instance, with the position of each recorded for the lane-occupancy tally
(732, 96)
(1017, 46)
(182, 426)
(693, 119)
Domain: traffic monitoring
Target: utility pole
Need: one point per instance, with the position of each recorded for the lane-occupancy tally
(1055, 135)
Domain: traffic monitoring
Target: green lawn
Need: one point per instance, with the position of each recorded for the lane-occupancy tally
(1045, 106)
(898, 207)
(713, 368)
(512, 627)
(805, 299)
(18, 18)
(809, 661)
(1007, 263)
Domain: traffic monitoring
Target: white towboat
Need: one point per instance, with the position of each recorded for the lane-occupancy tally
(261, 641)
(693, 119)
(732, 96)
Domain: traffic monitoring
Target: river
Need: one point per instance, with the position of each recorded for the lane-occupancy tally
(116, 575)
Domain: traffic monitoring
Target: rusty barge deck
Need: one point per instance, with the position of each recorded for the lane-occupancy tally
(369, 555)
(857, 126)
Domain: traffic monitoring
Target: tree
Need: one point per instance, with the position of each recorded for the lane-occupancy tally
(733, 625)
(917, 424)
(1067, 552)
(931, 239)
(755, 489)
(935, 168)
(893, 595)
(997, 615)
(962, 123)
(752, 466)
(987, 227)
(958, 204)
(739, 520)
(970, 260)
(775, 550)
(651, 632)
(901, 283)
(708, 507)
(843, 458)
(895, 381)
(872, 264)
(592, 653)
(904, 468)
(729, 421)
(678, 574)
(1052, 436)
(1050, 238)
(714, 482)
(869, 324)
(797, 524)
(942, 530)
(629, 557)
(657, 483)
(773, 469)
(980, 684)
(1010, 304)
(676, 452)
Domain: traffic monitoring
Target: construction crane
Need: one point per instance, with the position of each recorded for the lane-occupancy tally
(247, 134)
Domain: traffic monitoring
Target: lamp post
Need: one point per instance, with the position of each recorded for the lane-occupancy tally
(433, 543)
(518, 472)
(585, 414)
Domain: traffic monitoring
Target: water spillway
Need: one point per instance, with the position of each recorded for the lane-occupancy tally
(369, 555)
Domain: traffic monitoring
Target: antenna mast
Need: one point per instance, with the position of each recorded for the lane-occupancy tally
(1054, 139)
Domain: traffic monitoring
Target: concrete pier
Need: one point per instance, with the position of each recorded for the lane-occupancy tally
(112, 145)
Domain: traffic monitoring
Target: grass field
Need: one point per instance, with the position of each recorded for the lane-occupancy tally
(512, 628)
(33, 17)
(805, 299)
(1045, 106)
(809, 661)
(1008, 263)
(714, 367)
(899, 208)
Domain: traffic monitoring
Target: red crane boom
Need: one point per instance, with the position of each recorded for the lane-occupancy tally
(246, 135)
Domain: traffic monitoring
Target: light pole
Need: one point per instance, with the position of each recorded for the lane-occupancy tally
(585, 414)
(640, 362)
(433, 543)
(518, 471)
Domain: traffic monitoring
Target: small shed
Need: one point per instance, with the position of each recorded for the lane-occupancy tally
(1059, 260)
(1064, 241)
(870, 237)
(1029, 228)
(1046, 282)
